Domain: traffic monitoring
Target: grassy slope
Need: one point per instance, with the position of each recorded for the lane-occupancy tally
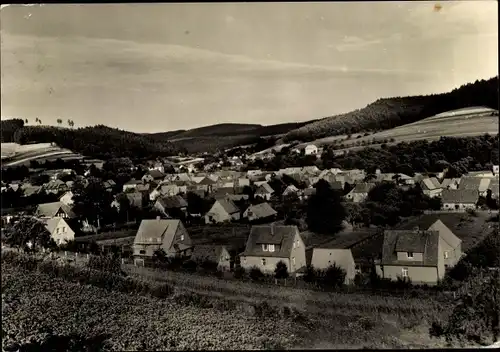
(431, 128)
(391, 112)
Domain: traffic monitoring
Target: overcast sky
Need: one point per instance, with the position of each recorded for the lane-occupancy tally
(160, 67)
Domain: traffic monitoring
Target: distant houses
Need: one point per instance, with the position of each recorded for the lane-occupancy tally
(223, 210)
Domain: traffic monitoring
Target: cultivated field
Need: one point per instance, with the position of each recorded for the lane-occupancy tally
(14, 154)
(459, 123)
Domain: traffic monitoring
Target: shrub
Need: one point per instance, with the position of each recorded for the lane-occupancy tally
(310, 274)
(255, 274)
(190, 265)
(239, 272)
(281, 271)
(333, 276)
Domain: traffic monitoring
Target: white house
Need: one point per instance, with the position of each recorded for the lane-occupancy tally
(311, 149)
(496, 169)
(67, 198)
(59, 230)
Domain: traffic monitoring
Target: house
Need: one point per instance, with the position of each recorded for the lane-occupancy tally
(291, 189)
(214, 253)
(205, 184)
(67, 198)
(444, 224)
(55, 186)
(264, 191)
(135, 199)
(431, 187)
(459, 199)
(311, 149)
(496, 169)
(50, 210)
(109, 185)
(242, 182)
(59, 230)
(479, 184)
(171, 204)
(360, 192)
(450, 183)
(253, 173)
(29, 189)
(158, 167)
(262, 211)
(182, 177)
(237, 197)
(131, 185)
(267, 245)
(222, 210)
(494, 189)
(169, 235)
(415, 255)
(326, 255)
(145, 187)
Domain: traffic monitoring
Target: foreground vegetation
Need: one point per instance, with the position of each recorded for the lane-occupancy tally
(392, 112)
(43, 300)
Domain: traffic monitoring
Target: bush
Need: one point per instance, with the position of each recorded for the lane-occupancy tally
(255, 274)
(281, 271)
(239, 272)
(333, 276)
(310, 274)
(190, 265)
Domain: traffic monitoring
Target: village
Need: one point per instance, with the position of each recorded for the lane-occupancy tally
(243, 220)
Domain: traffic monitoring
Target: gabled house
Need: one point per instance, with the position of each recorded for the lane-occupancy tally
(450, 243)
(59, 230)
(29, 189)
(324, 256)
(269, 244)
(494, 188)
(264, 191)
(67, 198)
(171, 205)
(450, 183)
(205, 184)
(54, 209)
(169, 235)
(182, 177)
(153, 175)
(479, 184)
(360, 192)
(223, 210)
(311, 149)
(291, 189)
(431, 187)
(131, 185)
(259, 212)
(413, 254)
(214, 253)
(55, 186)
(459, 199)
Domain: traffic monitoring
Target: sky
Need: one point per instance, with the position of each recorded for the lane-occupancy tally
(163, 67)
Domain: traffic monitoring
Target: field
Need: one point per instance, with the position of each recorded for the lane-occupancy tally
(471, 123)
(216, 315)
(14, 154)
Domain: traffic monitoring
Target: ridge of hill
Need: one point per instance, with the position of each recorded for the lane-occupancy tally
(389, 113)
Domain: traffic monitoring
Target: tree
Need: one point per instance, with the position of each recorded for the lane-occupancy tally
(325, 212)
(30, 232)
(59, 122)
(281, 271)
(93, 202)
(160, 256)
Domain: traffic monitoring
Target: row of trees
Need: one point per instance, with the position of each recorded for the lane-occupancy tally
(392, 112)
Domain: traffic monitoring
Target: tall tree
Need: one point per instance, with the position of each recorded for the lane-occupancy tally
(29, 232)
(325, 211)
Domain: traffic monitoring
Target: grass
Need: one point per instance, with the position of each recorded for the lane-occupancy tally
(16, 154)
(185, 313)
(431, 128)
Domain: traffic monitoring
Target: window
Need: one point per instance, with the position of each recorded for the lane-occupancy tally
(263, 262)
(264, 247)
(57, 230)
(405, 272)
(182, 237)
(271, 248)
(142, 251)
(446, 255)
(64, 229)
(409, 255)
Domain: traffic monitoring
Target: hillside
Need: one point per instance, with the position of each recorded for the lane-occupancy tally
(222, 136)
(457, 123)
(98, 141)
(392, 112)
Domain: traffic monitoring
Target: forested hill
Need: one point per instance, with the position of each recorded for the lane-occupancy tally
(392, 112)
(97, 141)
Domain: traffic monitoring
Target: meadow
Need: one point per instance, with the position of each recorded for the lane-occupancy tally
(473, 123)
(14, 154)
(138, 312)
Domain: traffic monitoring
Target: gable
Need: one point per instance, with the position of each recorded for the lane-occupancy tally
(446, 234)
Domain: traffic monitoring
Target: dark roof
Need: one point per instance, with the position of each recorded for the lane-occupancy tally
(459, 195)
(207, 252)
(336, 185)
(425, 242)
(264, 188)
(469, 183)
(262, 210)
(222, 191)
(172, 202)
(363, 187)
(207, 181)
(349, 238)
(282, 236)
(51, 209)
(228, 206)
(156, 174)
